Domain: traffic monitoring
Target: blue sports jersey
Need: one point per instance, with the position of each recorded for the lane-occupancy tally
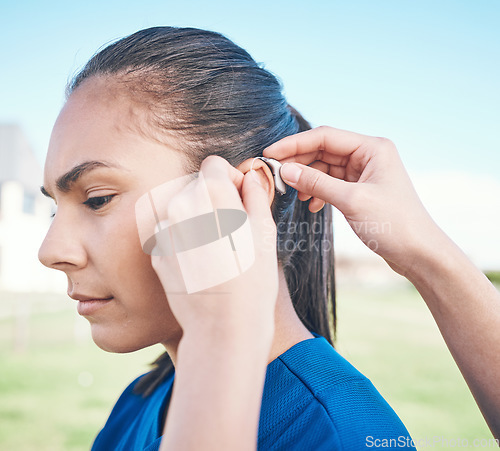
(313, 399)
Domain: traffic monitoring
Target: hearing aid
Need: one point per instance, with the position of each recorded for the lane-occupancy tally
(275, 167)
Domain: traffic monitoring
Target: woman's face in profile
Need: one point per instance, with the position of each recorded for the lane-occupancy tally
(98, 165)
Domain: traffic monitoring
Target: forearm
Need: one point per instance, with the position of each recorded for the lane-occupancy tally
(365, 179)
(217, 392)
(466, 307)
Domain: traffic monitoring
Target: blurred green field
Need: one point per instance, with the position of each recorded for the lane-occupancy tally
(57, 387)
(391, 337)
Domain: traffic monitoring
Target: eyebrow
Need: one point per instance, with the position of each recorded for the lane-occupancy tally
(66, 181)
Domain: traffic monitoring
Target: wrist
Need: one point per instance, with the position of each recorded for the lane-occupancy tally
(423, 251)
(226, 354)
(243, 335)
(437, 259)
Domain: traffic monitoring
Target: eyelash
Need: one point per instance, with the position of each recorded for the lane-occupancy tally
(95, 203)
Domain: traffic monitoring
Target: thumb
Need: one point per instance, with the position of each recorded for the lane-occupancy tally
(255, 197)
(316, 183)
(256, 202)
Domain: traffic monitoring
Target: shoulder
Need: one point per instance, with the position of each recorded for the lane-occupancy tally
(314, 398)
(128, 399)
(127, 405)
(135, 419)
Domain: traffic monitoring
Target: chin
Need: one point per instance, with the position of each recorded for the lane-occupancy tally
(119, 343)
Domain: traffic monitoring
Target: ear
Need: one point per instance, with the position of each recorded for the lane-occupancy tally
(263, 172)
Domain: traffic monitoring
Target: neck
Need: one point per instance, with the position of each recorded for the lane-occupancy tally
(288, 328)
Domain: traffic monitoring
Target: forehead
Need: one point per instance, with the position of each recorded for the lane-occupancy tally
(87, 126)
(97, 123)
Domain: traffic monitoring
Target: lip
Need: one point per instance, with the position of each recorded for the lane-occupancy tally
(89, 306)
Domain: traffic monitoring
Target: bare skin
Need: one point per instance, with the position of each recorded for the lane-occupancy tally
(96, 245)
(364, 178)
(94, 240)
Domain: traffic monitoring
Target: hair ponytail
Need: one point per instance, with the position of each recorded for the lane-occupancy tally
(310, 270)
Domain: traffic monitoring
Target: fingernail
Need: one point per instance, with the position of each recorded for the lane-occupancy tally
(255, 177)
(290, 172)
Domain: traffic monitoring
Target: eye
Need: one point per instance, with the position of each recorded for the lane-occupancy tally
(95, 203)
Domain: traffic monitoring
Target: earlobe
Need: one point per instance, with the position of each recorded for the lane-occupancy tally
(263, 172)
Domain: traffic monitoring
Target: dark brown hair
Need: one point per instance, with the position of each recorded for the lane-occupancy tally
(202, 88)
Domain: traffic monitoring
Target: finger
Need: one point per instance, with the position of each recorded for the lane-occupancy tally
(316, 183)
(303, 196)
(321, 166)
(256, 203)
(255, 197)
(216, 167)
(318, 155)
(328, 139)
(316, 204)
(221, 179)
(333, 170)
(215, 187)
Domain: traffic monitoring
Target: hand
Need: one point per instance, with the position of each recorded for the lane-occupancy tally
(245, 303)
(364, 178)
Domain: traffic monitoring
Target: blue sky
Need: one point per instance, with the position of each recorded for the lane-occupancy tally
(425, 74)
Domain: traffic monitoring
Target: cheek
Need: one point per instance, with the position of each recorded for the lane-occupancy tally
(142, 316)
(142, 295)
(133, 267)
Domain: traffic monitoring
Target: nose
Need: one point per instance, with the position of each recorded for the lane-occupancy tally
(62, 247)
